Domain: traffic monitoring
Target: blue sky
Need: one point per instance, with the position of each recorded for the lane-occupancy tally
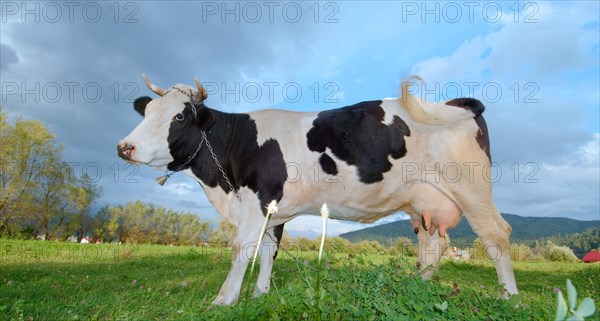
(535, 65)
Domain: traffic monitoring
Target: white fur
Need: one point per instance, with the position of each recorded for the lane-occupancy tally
(150, 136)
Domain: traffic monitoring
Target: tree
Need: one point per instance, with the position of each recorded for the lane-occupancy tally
(51, 195)
(81, 195)
(223, 234)
(101, 222)
(27, 150)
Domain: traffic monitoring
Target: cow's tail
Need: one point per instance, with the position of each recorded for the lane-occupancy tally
(435, 113)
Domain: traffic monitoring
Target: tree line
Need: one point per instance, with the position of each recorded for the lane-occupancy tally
(138, 222)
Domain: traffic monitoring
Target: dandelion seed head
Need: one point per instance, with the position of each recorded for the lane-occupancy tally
(272, 208)
(324, 211)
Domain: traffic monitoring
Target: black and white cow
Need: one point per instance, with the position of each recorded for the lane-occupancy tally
(375, 158)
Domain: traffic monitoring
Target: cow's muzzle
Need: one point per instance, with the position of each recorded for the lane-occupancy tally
(124, 150)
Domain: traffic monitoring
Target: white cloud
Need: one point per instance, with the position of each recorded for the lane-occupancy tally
(532, 50)
(312, 225)
(180, 189)
(465, 63)
(590, 152)
(582, 165)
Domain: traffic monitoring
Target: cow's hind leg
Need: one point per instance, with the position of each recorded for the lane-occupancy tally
(494, 233)
(268, 253)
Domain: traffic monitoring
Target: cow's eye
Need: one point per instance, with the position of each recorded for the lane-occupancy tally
(179, 117)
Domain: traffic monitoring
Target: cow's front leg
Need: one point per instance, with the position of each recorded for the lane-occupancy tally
(268, 253)
(243, 251)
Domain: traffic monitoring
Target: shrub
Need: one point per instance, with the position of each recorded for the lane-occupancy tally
(304, 244)
(520, 252)
(478, 251)
(337, 244)
(403, 246)
(559, 253)
(223, 234)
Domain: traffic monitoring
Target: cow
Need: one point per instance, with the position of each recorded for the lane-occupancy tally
(365, 161)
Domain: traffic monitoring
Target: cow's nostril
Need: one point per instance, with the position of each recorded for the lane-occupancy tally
(124, 150)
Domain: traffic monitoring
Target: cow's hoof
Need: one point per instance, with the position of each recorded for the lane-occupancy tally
(223, 300)
(426, 275)
(506, 294)
(258, 291)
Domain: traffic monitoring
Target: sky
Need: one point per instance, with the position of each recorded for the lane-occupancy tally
(535, 65)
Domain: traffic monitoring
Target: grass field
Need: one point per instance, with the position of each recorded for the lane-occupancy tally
(63, 281)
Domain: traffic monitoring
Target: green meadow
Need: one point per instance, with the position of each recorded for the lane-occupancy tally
(42, 280)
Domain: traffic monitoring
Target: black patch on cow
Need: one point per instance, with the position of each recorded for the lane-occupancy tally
(357, 135)
(204, 116)
(140, 104)
(277, 234)
(477, 108)
(471, 104)
(482, 136)
(234, 140)
(328, 164)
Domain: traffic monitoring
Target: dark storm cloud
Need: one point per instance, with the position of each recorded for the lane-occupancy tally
(174, 41)
(8, 56)
(96, 68)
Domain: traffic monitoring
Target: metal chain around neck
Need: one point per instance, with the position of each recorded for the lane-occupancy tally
(214, 157)
(161, 180)
(204, 139)
(170, 173)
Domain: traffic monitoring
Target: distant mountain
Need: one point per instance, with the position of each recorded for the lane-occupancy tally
(523, 229)
(311, 235)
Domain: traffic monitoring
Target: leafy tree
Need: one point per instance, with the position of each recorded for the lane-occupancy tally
(28, 149)
(102, 222)
(81, 196)
(223, 234)
(50, 197)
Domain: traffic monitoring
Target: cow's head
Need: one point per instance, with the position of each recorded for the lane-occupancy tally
(168, 134)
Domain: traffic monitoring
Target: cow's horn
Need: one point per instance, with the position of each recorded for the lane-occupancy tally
(159, 91)
(202, 95)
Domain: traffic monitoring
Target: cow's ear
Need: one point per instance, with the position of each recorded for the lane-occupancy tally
(140, 104)
(205, 118)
